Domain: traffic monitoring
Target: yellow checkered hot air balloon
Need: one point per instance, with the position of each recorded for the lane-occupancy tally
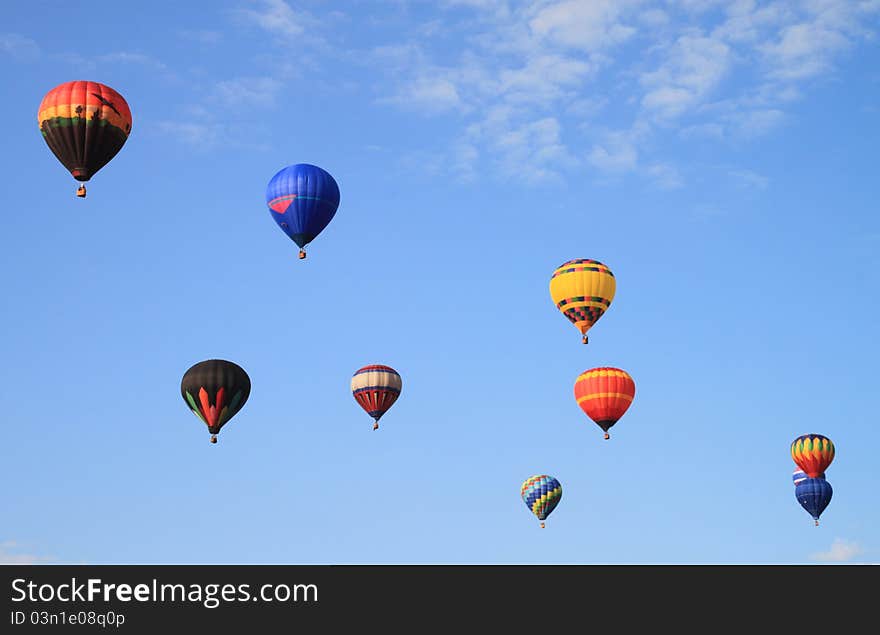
(582, 290)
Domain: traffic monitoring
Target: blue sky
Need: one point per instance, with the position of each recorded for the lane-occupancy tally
(719, 157)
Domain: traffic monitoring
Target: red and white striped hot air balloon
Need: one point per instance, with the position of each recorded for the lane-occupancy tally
(376, 388)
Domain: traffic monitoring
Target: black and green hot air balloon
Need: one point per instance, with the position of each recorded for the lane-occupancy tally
(215, 390)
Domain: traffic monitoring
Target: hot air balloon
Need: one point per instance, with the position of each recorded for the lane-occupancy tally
(814, 494)
(302, 199)
(85, 125)
(215, 390)
(604, 394)
(799, 475)
(541, 494)
(376, 388)
(583, 291)
(812, 453)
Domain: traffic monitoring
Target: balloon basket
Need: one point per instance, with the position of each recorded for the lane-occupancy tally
(213, 438)
(302, 254)
(376, 425)
(542, 525)
(81, 191)
(607, 436)
(586, 340)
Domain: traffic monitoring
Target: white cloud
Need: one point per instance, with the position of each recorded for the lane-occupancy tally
(8, 554)
(693, 69)
(586, 107)
(665, 176)
(18, 46)
(543, 79)
(747, 22)
(276, 16)
(804, 50)
(248, 91)
(703, 131)
(756, 122)
(525, 80)
(531, 151)
(426, 94)
(653, 18)
(707, 211)
(808, 45)
(197, 135)
(749, 179)
(589, 25)
(617, 153)
(840, 551)
(203, 36)
(476, 4)
(125, 57)
(697, 6)
(522, 71)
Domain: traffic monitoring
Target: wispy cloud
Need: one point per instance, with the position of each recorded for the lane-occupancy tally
(148, 63)
(136, 61)
(694, 66)
(808, 44)
(126, 57)
(203, 36)
(276, 16)
(665, 176)
(840, 551)
(589, 26)
(204, 129)
(524, 81)
(517, 86)
(426, 95)
(252, 91)
(616, 153)
(197, 135)
(12, 553)
(749, 179)
(20, 47)
(709, 70)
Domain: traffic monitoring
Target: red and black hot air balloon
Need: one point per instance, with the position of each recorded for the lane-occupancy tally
(215, 390)
(85, 125)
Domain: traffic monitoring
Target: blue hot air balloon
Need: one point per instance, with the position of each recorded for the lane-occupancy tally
(799, 475)
(302, 199)
(814, 494)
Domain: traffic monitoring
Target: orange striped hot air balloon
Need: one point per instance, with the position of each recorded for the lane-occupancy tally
(604, 394)
(813, 453)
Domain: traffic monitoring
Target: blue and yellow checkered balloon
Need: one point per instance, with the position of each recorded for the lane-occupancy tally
(541, 494)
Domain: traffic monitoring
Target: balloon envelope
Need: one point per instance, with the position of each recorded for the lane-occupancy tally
(85, 124)
(541, 494)
(215, 390)
(582, 290)
(814, 494)
(302, 199)
(812, 453)
(376, 388)
(604, 394)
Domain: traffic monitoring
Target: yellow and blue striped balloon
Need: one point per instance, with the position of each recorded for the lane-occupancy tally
(541, 494)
